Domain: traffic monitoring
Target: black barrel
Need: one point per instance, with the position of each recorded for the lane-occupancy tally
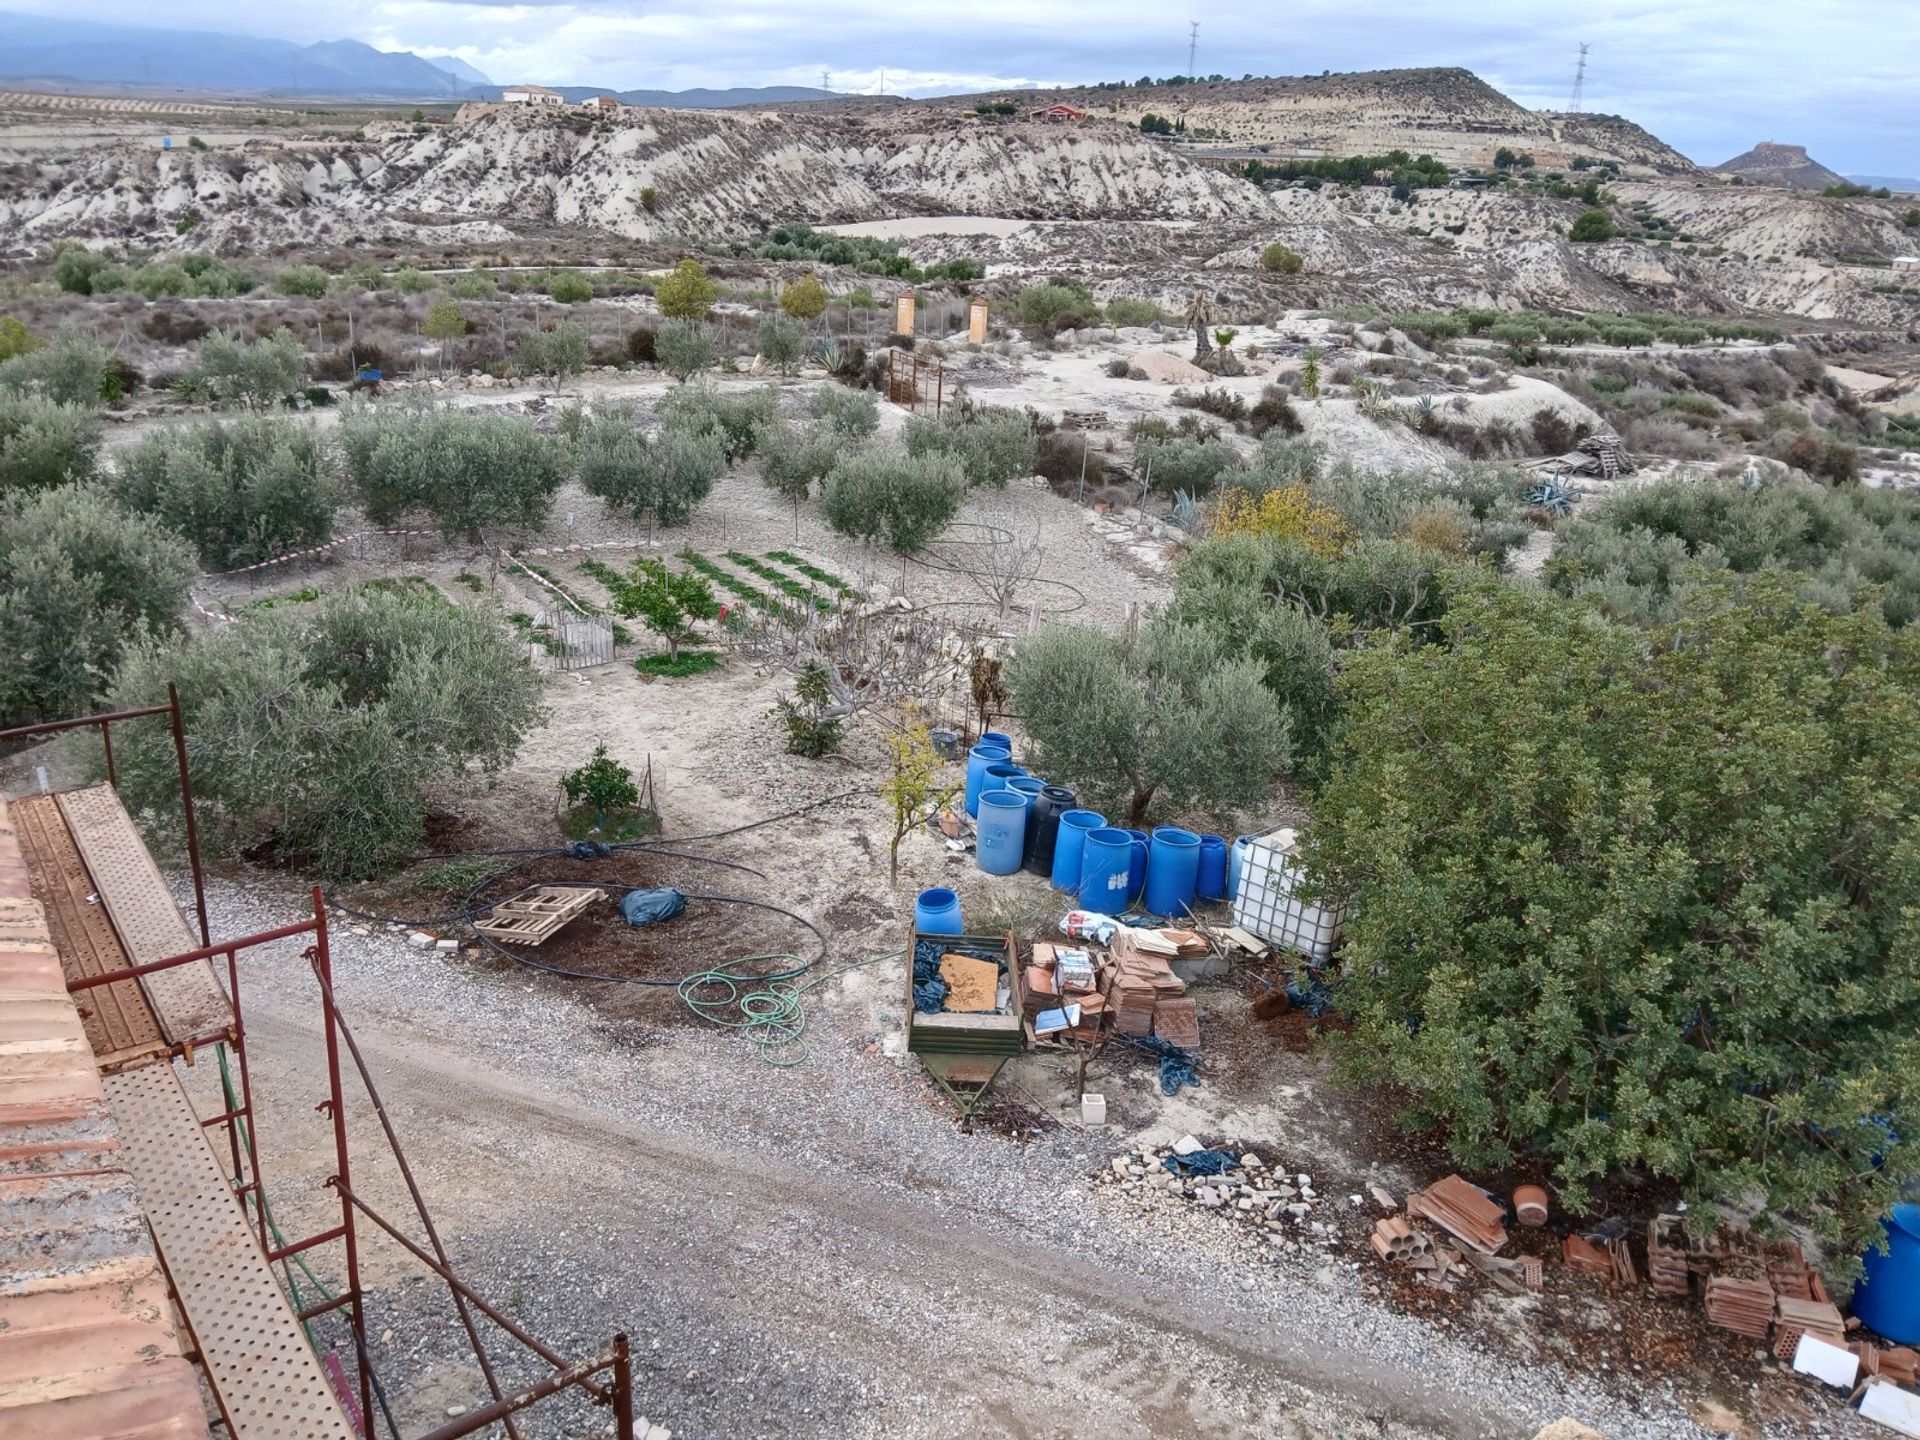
(1043, 827)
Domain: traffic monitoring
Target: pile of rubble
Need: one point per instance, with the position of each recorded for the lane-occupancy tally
(1242, 1186)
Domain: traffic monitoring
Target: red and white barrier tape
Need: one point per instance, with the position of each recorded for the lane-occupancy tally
(292, 555)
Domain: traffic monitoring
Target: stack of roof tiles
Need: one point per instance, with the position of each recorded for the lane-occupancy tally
(1462, 1211)
(1742, 1306)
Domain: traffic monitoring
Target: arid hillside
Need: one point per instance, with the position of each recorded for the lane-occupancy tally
(1788, 165)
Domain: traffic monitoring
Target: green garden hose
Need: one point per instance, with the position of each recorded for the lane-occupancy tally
(766, 1006)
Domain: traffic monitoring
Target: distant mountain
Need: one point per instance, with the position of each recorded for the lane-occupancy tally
(47, 51)
(739, 96)
(1899, 184)
(1789, 165)
(459, 69)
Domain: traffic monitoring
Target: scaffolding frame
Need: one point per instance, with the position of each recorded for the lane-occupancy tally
(243, 1147)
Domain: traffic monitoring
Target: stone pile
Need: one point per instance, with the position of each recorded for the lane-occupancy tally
(1281, 1204)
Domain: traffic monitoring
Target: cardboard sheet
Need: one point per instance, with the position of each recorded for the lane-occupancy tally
(973, 986)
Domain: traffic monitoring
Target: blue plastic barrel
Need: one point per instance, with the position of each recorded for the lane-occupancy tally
(978, 759)
(1002, 831)
(1067, 845)
(1137, 871)
(1173, 862)
(1236, 859)
(937, 912)
(1210, 883)
(1888, 1299)
(1105, 860)
(996, 737)
(999, 773)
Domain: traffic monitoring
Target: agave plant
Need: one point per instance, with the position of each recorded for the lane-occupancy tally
(1186, 512)
(1550, 494)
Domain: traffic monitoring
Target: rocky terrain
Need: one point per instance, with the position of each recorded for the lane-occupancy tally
(1789, 165)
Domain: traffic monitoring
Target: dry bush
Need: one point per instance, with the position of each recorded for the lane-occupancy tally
(1661, 435)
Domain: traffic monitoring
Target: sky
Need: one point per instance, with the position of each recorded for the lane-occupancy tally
(1710, 77)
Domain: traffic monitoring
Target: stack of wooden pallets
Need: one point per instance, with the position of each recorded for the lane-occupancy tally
(535, 917)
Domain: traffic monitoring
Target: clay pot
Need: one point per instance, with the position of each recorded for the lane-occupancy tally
(1530, 1206)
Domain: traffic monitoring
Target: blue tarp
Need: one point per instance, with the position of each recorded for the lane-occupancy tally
(646, 907)
(1202, 1162)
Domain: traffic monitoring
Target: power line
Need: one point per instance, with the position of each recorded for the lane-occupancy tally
(1579, 80)
(1193, 43)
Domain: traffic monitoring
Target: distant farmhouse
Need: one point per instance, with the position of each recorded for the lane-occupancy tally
(600, 102)
(531, 95)
(1061, 114)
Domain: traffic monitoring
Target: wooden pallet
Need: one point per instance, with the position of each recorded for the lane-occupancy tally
(534, 918)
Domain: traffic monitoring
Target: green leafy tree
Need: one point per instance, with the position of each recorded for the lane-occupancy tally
(736, 417)
(795, 458)
(852, 414)
(75, 268)
(904, 500)
(782, 343)
(687, 293)
(474, 285)
(1646, 900)
(671, 603)
(915, 786)
(330, 732)
(252, 372)
(1278, 259)
(558, 354)
(1167, 717)
(811, 732)
(80, 577)
(805, 299)
(684, 350)
(466, 468)
(241, 490)
(1592, 227)
(660, 479)
(444, 325)
(604, 783)
(45, 442)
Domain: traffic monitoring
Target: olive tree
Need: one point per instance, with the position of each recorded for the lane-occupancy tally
(993, 446)
(251, 372)
(558, 354)
(1167, 717)
(685, 349)
(331, 732)
(661, 479)
(904, 500)
(465, 468)
(796, 458)
(72, 368)
(782, 343)
(45, 442)
(241, 490)
(1645, 900)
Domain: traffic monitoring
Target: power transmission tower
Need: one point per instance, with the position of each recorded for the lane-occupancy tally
(1193, 43)
(826, 78)
(1579, 80)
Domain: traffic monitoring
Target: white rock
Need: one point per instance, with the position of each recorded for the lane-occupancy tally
(1251, 1161)
(419, 940)
(1186, 1145)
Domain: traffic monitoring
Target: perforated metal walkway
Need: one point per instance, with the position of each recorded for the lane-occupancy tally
(268, 1382)
(187, 1000)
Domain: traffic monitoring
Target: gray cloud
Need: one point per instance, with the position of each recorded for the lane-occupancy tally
(1709, 76)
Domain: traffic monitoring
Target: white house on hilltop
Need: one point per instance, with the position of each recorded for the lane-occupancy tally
(600, 102)
(531, 95)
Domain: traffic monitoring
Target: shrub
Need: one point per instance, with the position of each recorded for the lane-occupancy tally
(1181, 463)
(687, 294)
(660, 480)
(1169, 717)
(992, 446)
(734, 417)
(684, 350)
(240, 491)
(465, 468)
(782, 343)
(79, 578)
(811, 732)
(474, 285)
(409, 281)
(804, 299)
(1053, 308)
(308, 281)
(44, 443)
(1128, 312)
(72, 368)
(324, 731)
(15, 338)
(1593, 226)
(1274, 411)
(1278, 259)
(570, 287)
(254, 373)
(1637, 856)
(1215, 400)
(904, 500)
(1288, 512)
(854, 414)
(640, 345)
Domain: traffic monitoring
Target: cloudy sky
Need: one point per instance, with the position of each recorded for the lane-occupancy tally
(1708, 76)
